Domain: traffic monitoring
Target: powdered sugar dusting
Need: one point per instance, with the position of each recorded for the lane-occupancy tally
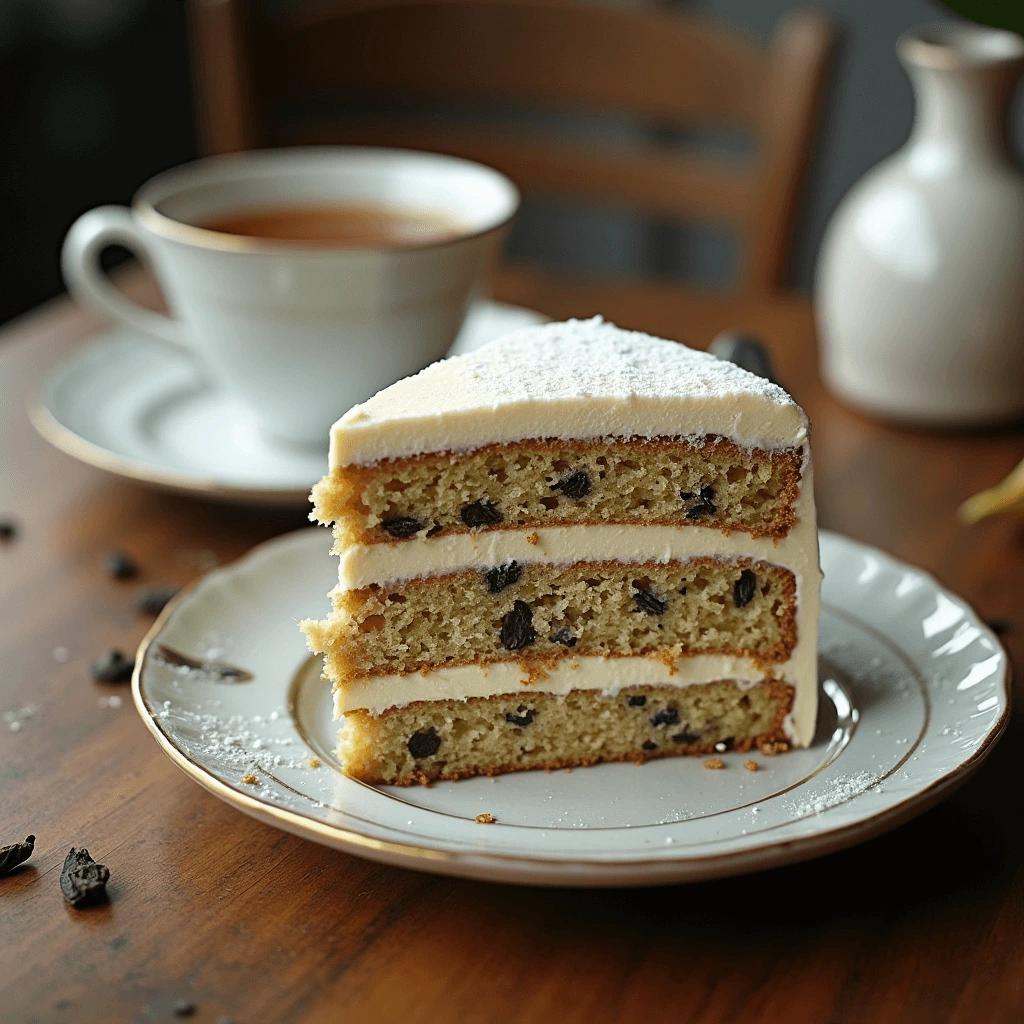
(585, 358)
(835, 791)
(239, 741)
(577, 379)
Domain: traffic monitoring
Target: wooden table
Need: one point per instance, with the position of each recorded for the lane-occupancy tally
(924, 924)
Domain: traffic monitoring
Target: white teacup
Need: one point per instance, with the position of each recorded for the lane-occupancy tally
(301, 331)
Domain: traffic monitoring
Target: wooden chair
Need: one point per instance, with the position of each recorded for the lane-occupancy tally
(261, 84)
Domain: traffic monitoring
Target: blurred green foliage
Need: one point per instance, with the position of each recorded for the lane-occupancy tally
(998, 13)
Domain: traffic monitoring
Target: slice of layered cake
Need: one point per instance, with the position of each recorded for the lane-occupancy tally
(577, 544)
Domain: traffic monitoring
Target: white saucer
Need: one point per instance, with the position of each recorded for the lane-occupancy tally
(915, 694)
(138, 408)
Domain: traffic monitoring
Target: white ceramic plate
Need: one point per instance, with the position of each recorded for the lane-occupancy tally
(914, 696)
(139, 408)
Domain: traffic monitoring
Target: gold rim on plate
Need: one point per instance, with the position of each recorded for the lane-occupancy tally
(66, 440)
(760, 857)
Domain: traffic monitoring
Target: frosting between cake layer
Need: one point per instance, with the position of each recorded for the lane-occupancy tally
(363, 564)
(580, 380)
(530, 385)
(798, 551)
(582, 673)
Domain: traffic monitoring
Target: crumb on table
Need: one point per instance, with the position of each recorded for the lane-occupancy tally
(751, 766)
(250, 779)
(714, 763)
(485, 819)
(315, 762)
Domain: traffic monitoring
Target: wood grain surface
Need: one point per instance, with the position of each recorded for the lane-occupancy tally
(253, 925)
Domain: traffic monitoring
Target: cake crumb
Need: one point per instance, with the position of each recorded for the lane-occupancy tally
(532, 538)
(714, 763)
(772, 747)
(485, 819)
(751, 766)
(315, 762)
(249, 780)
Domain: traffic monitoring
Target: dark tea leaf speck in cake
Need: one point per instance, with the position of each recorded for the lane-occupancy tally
(686, 737)
(118, 566)
(705, 505)
(82, 880)
(577, 485)
(744, 589)
(502, 576)
(184, 1008)
(401, 526)
(666, 716)
(649, 603)
(112, 667)
(424, 743)
(521, 719)
(153, 600)
(649, 745)
(564, 637)
(481, 513)
(517, 629)
(638, 700)
(15, 854)
(8, 530)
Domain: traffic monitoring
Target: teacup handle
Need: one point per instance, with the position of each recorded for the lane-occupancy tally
(80, 265)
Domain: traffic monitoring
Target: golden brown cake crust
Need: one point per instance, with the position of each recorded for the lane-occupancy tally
(358, 499)
(371, 632)
(366, 763)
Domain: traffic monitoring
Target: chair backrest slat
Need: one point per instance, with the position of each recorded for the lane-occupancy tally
(602, 58)
(259, 85)
(647, 181)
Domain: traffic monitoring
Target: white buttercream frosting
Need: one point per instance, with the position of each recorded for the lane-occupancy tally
(573, 673)
(578, 379)
(363, 564)
(797, 551)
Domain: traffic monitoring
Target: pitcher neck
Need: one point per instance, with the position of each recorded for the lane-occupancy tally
(963, 79)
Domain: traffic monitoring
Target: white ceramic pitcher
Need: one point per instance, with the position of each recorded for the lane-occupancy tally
(920, 284)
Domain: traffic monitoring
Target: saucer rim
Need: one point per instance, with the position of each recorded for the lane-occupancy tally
(91, 453)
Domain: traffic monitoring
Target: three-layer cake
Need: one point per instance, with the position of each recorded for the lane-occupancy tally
(576, 544)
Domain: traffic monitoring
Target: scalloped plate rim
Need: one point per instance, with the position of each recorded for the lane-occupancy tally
(537, 869)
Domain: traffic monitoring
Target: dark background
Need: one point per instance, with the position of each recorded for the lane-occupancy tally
(95, 98)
